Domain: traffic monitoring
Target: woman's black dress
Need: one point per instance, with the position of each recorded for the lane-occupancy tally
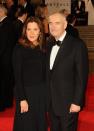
(29, 71)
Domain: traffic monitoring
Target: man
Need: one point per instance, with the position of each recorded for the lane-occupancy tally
(30, 9)
(7, 42)
(71, 29)
(67, 74)
(78, 7)
(11, 6)
(21, 16)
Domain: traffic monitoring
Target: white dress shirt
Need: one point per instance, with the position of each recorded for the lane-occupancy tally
(54, 51)
(2, 18)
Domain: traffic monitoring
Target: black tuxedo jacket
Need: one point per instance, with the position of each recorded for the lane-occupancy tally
(18, 27)
(7, 42)
(7, 37)
(71, 30)
(68, 79)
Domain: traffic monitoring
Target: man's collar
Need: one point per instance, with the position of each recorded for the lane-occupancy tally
(2, 18)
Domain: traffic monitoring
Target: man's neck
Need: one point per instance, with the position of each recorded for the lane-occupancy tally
(61, 37)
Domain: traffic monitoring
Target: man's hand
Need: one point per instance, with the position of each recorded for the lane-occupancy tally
(74, 108)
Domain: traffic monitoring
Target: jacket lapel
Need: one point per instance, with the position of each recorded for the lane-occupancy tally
(62, 51)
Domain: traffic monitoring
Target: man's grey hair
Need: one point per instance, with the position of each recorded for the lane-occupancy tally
(56, 12)
(3, 8)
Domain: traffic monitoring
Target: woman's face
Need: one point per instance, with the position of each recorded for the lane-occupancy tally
(33, 32)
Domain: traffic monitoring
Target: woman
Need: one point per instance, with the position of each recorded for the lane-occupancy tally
(29, 69)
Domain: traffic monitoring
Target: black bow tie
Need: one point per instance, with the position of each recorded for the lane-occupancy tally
(58, 43)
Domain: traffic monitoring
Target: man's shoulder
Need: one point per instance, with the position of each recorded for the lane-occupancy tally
(76, 42)
(79, 43)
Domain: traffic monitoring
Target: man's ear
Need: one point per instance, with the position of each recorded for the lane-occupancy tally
(65, 24)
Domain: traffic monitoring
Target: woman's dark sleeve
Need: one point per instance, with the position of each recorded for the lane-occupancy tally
(18, 73)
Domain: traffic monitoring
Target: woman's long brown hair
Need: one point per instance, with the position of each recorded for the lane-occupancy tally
(24, 41)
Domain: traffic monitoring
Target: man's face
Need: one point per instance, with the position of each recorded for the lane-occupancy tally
(57, 25)
(9, 3)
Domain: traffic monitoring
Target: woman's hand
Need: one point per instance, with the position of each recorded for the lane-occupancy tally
(24, 106)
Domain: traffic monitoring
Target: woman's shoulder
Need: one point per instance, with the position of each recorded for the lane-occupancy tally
(18, 49)
(18, 46)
